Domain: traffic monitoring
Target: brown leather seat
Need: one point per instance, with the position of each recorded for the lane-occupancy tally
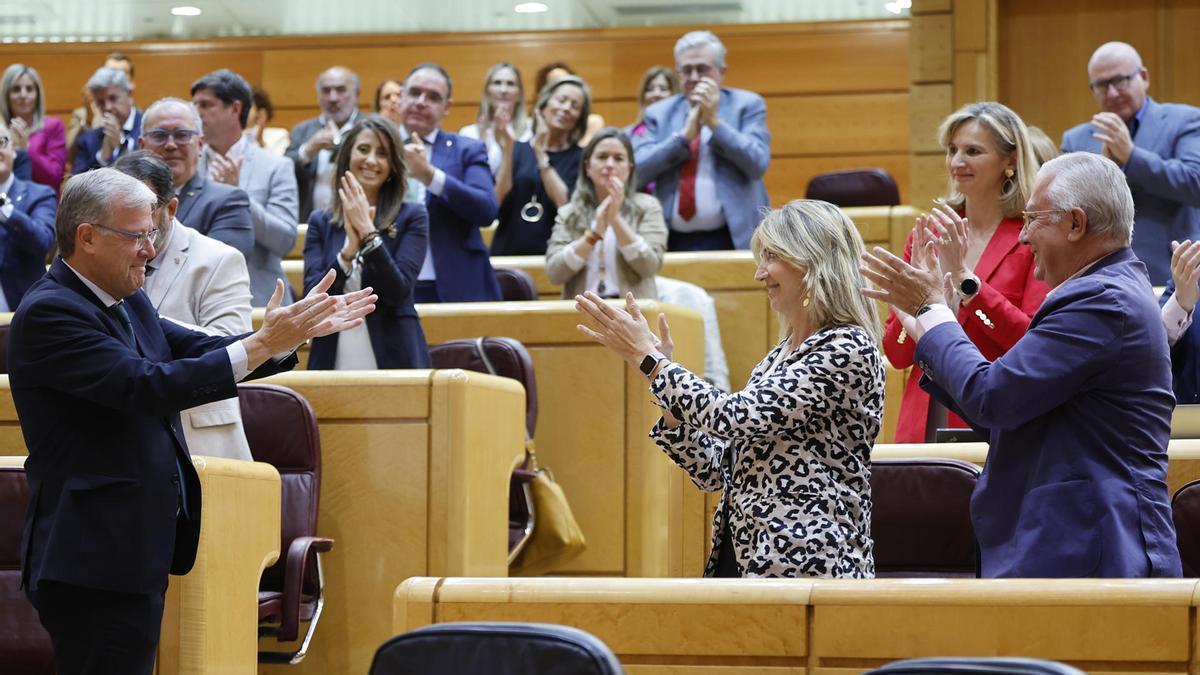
(920, 517)
(281, 430)
(1185, 511)
(24, 645)
(515, 284)
(856, 187)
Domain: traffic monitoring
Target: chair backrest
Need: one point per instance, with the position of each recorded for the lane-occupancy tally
(856, 187)
(515, 284)
(920, 517)
(508, 356)
(4, 349)
(497, 649)
(24, 645)
(972, 666)
(1185, 511)
(281, 430)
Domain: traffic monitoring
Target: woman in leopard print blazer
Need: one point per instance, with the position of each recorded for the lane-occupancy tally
(792, 451)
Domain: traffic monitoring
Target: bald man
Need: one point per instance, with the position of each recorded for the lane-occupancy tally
(315, 141)
(1157, 146)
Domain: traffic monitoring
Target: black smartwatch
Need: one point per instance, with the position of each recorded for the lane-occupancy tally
(648, 363)
(968, 286)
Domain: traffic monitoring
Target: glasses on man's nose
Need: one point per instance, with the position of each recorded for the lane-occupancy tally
(154, 236)
(699, 70)
(159, 137)
(1120, 83)
(1030, 216)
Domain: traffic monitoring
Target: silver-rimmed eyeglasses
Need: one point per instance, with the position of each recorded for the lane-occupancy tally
(1030, 216)
(153, 236)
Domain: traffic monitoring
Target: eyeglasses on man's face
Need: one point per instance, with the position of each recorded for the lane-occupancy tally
(1030, 216)
(154, 236)
(158, 137)
(1120, 82)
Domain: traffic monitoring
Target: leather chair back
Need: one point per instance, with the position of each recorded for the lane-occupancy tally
(976, 666)
(1185, 511)
(508, 356)
(515, 284)
(856, 187)
(920, 517)
(24, 645)
(498, 648)
(281, 430)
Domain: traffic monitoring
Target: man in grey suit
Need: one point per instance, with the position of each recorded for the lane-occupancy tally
(1157, 145)
(706, 151)
(315, 141)
(223, 100)
(201, 284)
(172, 130)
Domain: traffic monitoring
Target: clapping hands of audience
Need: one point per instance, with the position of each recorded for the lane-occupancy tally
(326, 138)
(19, 130)
(414, 159)
(223, 169)
(1185, 272)
(501, 128)
(1112, 132)
(112, 134)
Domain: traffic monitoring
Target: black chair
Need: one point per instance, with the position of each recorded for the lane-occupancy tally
(515, 284)
(25, 646)
(496, 649)
(281, 430)
(4, 349)
(1185, 511)
(975, 666)
(920, 517)
(856, 187)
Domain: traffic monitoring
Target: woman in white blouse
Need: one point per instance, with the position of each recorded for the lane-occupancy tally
(792, 451)
(609, 239)
(502, 102)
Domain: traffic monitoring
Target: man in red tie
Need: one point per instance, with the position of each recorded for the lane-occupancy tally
(706, 150)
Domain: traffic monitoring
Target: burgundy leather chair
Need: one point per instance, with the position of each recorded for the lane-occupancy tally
(515, 284)
(510, 359)
(920, 517)
(25, 646)
(1185, 511)
(856, 187)
(281, 430)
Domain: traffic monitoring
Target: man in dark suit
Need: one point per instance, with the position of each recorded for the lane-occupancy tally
(114, 499)
(1078, 412)
(120, 122)
(315, 141)
(172, 130)
(1157, 145)
(450, 175)
(26, 228)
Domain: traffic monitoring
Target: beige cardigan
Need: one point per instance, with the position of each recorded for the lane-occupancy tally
(635, 275)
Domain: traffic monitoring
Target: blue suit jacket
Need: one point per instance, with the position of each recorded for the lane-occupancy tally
(467, 203)
(26, 238)
(1079, 412)
(391, 269)
(742, 146)
(23, 166)
(1164, 176)
(89, 144)
(100, 417)
(217, 210)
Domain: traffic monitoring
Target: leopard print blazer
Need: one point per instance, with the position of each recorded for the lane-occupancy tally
(792, 452)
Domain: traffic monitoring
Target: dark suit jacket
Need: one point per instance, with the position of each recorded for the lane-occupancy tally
(391, 269)
(26, 239)
(1185, 359)
(101, 421)
(306, 172)
(1164, 176)
(1079, 413)
(23, 166)
(217, 210)
(89, 144)
(467, 203)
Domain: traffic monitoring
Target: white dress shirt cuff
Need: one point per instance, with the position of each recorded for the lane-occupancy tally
(937, 315)
(438, 182)
(1175, 320)
(237, 359)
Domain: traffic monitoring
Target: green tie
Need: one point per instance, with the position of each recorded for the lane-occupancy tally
(119, 309)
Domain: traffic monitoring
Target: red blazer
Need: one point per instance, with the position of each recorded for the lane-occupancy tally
(994, 319)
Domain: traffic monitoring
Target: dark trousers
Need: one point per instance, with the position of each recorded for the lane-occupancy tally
(711, 240)
(96, 631)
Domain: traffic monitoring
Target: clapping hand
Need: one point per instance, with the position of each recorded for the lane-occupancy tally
(1185, 272)
(324, 139)
(414, 159)
(112, 134)
(902, 285)
(500, 126)
(222, 169)
(706, 96)
(691, 125)
(949, 231)
(625, 333)
(1114, 134)
(19, 131)
(315, 315)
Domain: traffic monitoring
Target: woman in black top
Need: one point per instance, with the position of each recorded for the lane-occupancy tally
(537, 177)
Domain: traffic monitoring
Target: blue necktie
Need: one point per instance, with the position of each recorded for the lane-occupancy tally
(119, 310)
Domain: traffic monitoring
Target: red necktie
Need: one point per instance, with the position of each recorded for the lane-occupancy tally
(687, 181)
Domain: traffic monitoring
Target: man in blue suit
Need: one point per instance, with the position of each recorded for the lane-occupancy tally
(120, 122)
(98, 379)
(450, 175)
(706, 151)
(1156, 144)
(26, 228)
(1078, 412)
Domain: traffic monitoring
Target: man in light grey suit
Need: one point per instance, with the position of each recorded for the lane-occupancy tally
(315, 141)
(224, 99)
(200, 284)
(172, 130)
(1157, 145)
(706, 151)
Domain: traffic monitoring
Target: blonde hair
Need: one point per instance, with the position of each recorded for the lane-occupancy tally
(821, 240)
(1011, 136)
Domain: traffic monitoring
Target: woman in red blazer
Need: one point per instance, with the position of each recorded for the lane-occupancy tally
(991, 166)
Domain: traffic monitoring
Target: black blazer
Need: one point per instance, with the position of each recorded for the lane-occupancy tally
(391, 269)
(101, 420)
(90, 142)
